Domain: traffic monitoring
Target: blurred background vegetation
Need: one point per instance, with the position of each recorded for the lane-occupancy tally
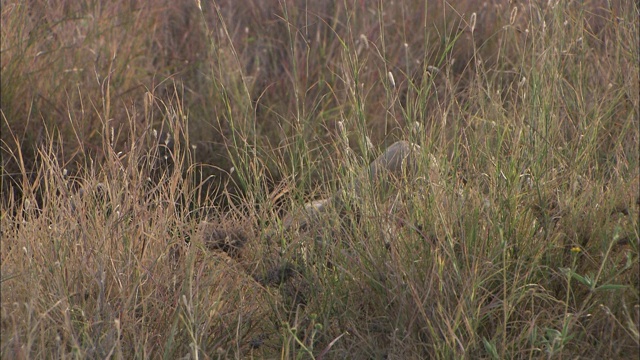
(269, 71)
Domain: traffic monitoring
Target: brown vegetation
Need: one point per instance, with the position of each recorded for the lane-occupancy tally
(151, 151)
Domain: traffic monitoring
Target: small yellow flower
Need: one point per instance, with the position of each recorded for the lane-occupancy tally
(576, 249)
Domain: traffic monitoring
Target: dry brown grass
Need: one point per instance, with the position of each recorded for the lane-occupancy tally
(517, 237)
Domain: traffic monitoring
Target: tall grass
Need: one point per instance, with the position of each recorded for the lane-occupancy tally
(157, 158)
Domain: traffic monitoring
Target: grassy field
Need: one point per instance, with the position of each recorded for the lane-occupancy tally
(157, 157)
